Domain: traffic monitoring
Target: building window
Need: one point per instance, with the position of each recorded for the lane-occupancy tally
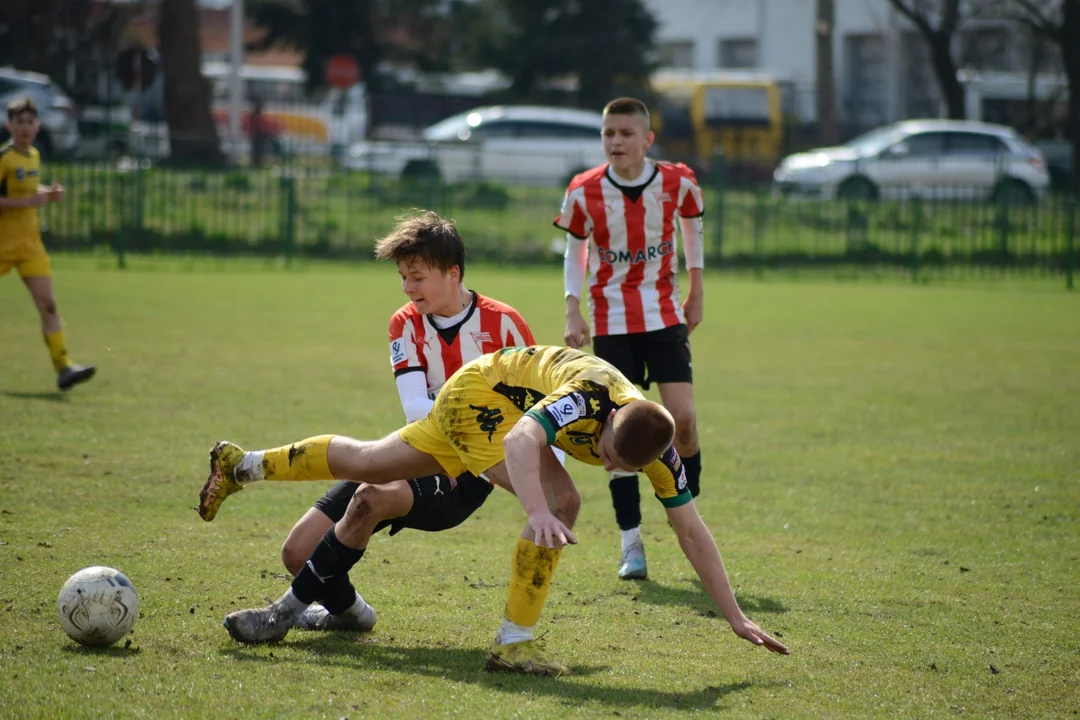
(919, 86)
(676, 53)
(986, 48)
(738, 53)
(866, 81)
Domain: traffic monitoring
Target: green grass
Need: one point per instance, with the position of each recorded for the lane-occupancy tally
(892, 474)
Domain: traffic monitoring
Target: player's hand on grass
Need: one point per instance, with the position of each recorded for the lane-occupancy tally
(550, 531)
(694, 310)
(577, 330)
(748, 630)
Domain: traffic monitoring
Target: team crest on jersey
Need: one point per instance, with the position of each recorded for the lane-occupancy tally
(567, 410)
(20, 173)
(397, 351)
(480, 338)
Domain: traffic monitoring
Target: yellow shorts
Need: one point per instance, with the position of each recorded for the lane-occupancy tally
(37, 266)
(465, 429)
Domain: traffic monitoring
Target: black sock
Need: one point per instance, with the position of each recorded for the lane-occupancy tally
(329, 564)
(626, 500)
(693, 473)
(338, 594)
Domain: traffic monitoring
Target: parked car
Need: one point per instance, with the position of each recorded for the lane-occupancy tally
(59, 117)
(935, 159)
(512, 144)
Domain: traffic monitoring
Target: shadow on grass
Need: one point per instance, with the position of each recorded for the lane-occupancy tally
(462, 665)
(55, 396)
(110, 651)
(697, 599)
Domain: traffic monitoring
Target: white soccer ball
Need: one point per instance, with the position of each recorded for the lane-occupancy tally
(97, 606)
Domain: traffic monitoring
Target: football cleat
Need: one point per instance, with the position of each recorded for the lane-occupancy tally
(72, 375)
(632, 566)
(528, 657)
(316, 617)
(261, 625)
(224, 457)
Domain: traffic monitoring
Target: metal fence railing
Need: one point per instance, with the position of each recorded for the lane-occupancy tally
(136, 207)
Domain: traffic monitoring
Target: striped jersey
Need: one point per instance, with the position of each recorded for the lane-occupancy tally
(416, 345)
(633, 262)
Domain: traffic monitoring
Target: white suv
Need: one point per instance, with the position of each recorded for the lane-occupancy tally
(59, 123)
(934, 159)
(512, 144)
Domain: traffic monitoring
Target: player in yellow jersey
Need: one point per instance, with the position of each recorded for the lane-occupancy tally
(497, 417)
(21, 194)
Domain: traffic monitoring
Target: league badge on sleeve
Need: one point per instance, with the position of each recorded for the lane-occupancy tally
(567, 409)
(397, 351)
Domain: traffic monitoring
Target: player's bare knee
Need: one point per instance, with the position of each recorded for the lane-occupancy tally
(292, 557)
(567, 506)
(361, 508)
(685, 426)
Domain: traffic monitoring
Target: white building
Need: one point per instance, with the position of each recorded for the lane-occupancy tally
(881, 63)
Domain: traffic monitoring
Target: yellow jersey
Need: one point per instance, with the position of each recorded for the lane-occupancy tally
(571, 393)
(20, 175)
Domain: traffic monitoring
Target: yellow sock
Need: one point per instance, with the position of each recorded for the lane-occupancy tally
(530, 580)
(57, 350)
(304, 460)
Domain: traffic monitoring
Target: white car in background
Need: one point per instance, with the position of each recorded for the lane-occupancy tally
(511, 144)
(934, 159)
(59, 133)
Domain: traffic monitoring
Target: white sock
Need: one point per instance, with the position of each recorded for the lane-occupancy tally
(358, 608)
(250, 468)
(511, 632)
(631, 537)
(291, 602)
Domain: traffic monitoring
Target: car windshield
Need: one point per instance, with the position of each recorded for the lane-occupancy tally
(874, 141)
(453, 127)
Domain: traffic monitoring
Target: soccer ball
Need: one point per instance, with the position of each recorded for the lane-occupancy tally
(97, 606)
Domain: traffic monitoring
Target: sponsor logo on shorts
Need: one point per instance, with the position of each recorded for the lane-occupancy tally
(488, 419)
(397, 351)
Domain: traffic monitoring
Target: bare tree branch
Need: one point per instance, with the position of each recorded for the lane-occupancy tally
(914, 14)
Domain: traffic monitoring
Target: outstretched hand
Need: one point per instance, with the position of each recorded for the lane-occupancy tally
(748, 630)
(550, 531)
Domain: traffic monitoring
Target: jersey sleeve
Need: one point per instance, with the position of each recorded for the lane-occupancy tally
(578, 402)
(668, 478)
(515, 331)
(404, 356)
(572, 217)
(691, 204)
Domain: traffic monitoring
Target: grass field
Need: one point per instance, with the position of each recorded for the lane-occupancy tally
(892, 474)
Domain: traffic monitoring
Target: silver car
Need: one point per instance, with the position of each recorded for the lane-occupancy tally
(511, 144)
(934, 159)
(59, 118)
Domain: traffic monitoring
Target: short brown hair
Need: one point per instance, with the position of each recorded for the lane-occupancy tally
(643, 430)
(628, 106)
(20, 106)
(426, 237)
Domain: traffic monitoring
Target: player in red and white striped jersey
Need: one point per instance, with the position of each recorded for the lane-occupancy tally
(443, 326)
(629, 209)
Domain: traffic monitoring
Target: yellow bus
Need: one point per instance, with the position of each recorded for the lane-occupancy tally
(745, 114)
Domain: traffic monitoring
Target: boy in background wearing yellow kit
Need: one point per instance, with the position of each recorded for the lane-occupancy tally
(21, 194)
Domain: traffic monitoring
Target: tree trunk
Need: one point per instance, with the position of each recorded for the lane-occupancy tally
(952, 92)
(1070, 54)
(192, 133)
(826, 75)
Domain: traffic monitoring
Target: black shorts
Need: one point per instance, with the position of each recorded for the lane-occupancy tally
(435, 506)
(659, 356)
